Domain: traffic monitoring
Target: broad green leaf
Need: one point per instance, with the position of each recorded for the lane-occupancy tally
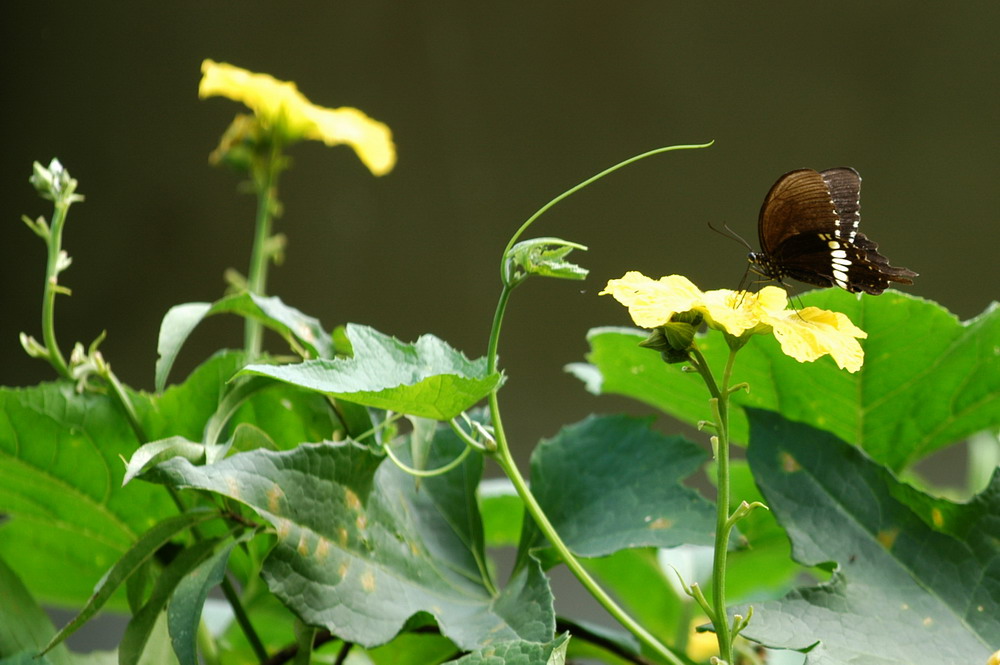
(911, 586)
(361, 548)
(187, 601)
(61, 463)
(928, 379)
(609, 483)
(294, 326)
(24, 626)
(427, 378)
(132, 560)
(519, 652)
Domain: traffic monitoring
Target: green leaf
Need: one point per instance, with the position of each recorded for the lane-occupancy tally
(762, 566)
(427, 378)
(140, 628)
(911, 586)
(609, 483)
(544, 257)
(60, 460)
(141, 552)
(361, 549)
(413, 649)
(503, 512)
(519, 653)
(294, 326)
(150, 454)
(928, 379)
(187, 601)
(177, 324)
(24, 626)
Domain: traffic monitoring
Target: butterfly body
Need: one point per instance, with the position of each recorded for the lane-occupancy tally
(808, 230)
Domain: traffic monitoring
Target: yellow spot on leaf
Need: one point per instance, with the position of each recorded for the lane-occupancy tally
(928, 622)
(303, 546)
(233, 488)
(937, 517)
(322, 549)
(789, 463)
(661, 523)
(887, 538)
(342, 536)
(283, 527)
(342, 569)
(351, 499)
(361, 522)
(274, 497)
(368, 581)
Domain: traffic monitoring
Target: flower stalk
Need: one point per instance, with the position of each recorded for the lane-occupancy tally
(672, 308)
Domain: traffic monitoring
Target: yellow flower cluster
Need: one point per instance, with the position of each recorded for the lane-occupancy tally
(805, 334)
(280, 104)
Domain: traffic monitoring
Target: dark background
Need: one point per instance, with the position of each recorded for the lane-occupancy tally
(495, 108)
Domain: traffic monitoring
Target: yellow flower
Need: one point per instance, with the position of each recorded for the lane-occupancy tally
(279, 106)
(804, 335)
(701, 646)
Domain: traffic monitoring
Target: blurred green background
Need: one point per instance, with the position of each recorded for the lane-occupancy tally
(495, 108)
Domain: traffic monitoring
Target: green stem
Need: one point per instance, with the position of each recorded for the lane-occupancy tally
(52, 288)
(229, 590)
(573, 190)
(260, 255)
(723, 525)
(505, 459)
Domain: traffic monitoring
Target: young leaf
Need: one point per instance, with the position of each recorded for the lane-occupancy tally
(928, 379)
(24, 626)
(905, 589)
(140, 628)
(360, 548)
(609, 483)
(187, 601)
(427, 378)
(132, 560)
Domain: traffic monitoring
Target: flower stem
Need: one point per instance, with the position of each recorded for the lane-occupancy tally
(52, 288)
(265, 180)
(723, 524)
(505, 459)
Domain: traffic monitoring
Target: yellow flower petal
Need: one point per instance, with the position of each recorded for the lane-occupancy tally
(279, 105)
(812, 333)
(271, 100)
(371, 139)
(804, 335)
(651, 302)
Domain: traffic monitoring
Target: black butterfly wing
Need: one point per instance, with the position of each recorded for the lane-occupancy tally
(798, 203)
(808, 230)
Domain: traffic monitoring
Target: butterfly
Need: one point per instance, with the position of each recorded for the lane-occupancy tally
(808, 229)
